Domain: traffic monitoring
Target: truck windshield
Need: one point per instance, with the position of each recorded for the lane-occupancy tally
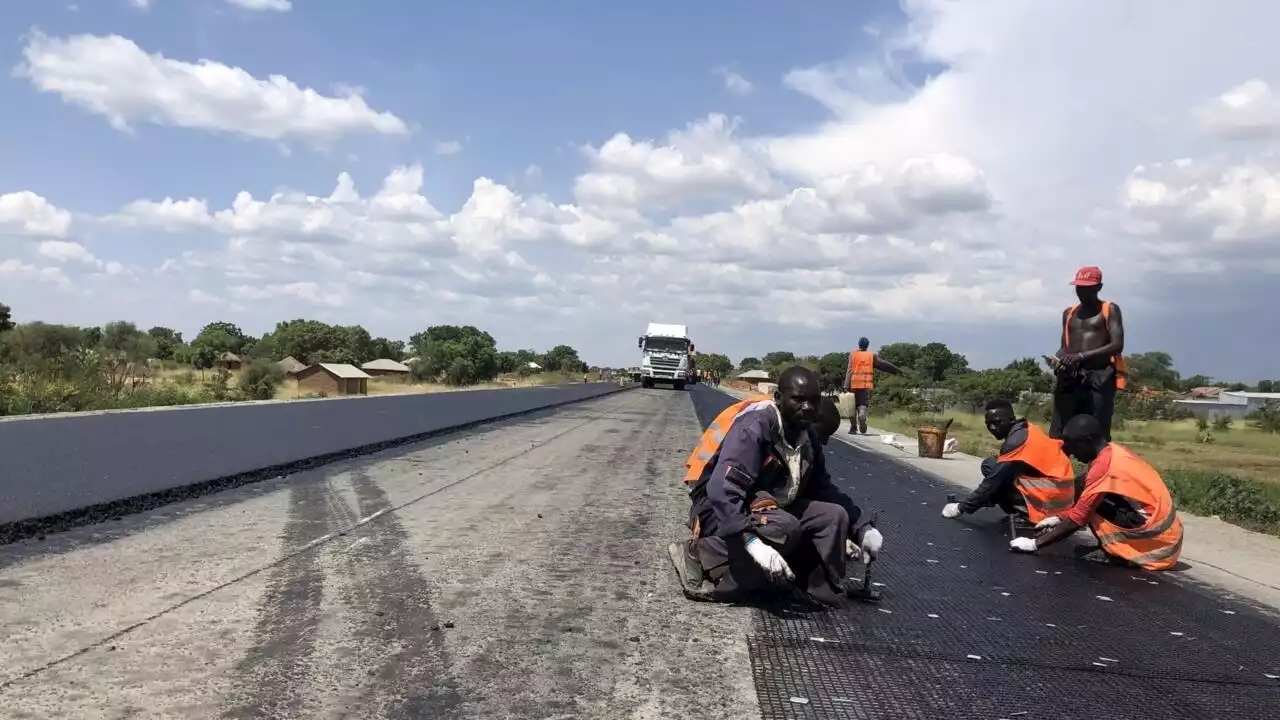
(662, 344)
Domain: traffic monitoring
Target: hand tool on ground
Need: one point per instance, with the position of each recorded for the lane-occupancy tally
(866, 592)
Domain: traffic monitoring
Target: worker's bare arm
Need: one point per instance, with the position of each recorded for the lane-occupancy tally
(1062, 334)
(885, 366)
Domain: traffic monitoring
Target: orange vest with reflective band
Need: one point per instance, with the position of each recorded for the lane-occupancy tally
(1122, 368)
(709, 444)
(862, 366)
(1054, 490)
(1156, 545)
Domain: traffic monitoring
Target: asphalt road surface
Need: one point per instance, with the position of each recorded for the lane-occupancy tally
(518, 571)
(513, 571)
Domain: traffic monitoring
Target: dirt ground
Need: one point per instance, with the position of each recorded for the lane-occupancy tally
(516, 571)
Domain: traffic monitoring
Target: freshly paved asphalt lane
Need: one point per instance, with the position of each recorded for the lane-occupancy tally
(518, 571)
(515, 571)
(969, 630)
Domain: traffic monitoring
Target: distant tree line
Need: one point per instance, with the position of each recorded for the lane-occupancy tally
(48, 367)
(935, 366)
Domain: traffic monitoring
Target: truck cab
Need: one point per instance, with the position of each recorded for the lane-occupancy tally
(666, 355)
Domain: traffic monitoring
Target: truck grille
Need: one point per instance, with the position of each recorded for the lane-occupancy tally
(668, 364)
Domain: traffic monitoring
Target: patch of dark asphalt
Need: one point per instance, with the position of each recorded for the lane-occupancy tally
(40, 527)
(273, 677)
(391, 599)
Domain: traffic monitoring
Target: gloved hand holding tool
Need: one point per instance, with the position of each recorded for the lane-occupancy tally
(868, 548)
(769, 559)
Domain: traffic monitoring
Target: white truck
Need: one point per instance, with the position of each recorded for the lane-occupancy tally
(666, 355)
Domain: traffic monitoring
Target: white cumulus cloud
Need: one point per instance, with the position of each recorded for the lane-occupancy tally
(111, 76)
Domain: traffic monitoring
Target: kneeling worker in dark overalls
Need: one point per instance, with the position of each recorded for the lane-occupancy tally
(764, 508)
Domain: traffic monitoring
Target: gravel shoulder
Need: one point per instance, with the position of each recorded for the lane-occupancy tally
(513, 571)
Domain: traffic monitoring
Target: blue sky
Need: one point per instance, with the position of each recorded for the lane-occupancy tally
(914, 171)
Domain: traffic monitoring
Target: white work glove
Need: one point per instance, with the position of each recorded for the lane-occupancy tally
(872, 541)
(769, 559)
(951, 510)
(1023, 544)
(1050, 522)
(851, 550)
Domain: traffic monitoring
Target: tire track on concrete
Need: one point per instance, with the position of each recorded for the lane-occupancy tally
(273, 679)
(395, 630)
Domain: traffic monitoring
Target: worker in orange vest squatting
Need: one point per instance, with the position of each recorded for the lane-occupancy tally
(1089, 366)
(764, 508)
(859, 378)
(1031, 479)
(1124, 502)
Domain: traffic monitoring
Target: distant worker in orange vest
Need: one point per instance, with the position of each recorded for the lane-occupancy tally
(1124, 502)
(1031, 479)
(859, 378)
(1089, 365)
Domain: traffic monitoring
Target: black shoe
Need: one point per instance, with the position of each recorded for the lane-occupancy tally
(693, 583)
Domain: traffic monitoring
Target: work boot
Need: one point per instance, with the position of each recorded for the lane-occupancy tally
(693, 582)
(862, 426)
(853, 427)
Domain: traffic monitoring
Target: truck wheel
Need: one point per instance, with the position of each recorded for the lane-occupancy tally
(646, 382)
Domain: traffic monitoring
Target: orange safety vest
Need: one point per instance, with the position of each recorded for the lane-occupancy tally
(862, 365)
(1156, 545)
(1054, 490)
(1122, 368)
(709, 444)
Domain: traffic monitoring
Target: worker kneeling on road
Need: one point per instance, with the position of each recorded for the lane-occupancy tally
(764, 508)
(1124, 502)
(1031, 478)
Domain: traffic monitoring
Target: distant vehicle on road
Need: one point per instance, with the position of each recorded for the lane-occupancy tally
(666, 355)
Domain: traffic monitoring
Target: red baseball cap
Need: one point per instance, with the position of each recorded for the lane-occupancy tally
(1086, 276)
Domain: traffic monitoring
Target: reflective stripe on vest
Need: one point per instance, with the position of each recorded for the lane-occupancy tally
(709, 443)
(862, 365)
(1156, 545)
(1053, 491)
(1122, 368)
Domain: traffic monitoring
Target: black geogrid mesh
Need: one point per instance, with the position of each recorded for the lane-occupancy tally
(1055, 637)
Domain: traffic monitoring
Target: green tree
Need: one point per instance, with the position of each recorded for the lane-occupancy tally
(6, 318)
(750, 363)
(716, 363)
(222, 337)
(1266, 386)
(937, 362)
(1153, 370)
(903, 354)
(460, 354)
(312, 341)
(260, 380)
(777, 359)
(562, 358)
(832, 367)
(167, 341)
(390, 349)
(37, 346)
(983, 385)
(90, 337)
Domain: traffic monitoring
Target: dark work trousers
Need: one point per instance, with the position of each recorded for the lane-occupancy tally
(811, 537)
(861, 399)
(1089, 392)
(1005, 496)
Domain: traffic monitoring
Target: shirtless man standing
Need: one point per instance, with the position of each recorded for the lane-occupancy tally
(1088, 365)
